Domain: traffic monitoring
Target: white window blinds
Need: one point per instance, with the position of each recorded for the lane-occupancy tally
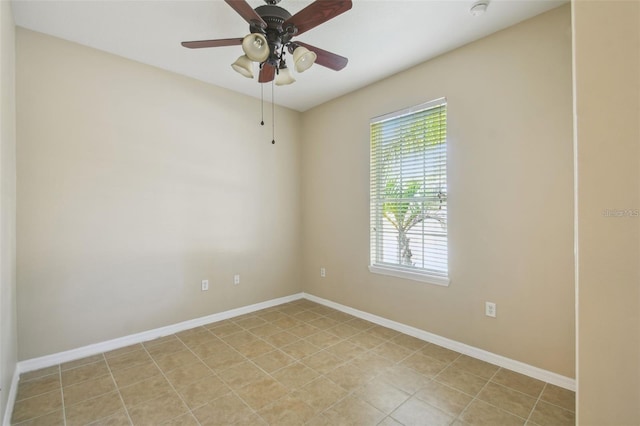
(409, 192)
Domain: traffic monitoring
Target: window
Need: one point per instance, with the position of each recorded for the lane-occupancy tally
(409, 193)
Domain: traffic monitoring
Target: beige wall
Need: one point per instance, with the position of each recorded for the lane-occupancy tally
(129, 197)
(510, 196)
(8, 336)
(607, 82)
(134, 185)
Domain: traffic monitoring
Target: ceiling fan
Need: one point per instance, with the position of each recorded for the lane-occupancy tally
(272, 29)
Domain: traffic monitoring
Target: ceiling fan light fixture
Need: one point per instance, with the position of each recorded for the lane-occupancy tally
(244, 66)
(255, 46)
(303, 58)
(284, 76)
(271, 29)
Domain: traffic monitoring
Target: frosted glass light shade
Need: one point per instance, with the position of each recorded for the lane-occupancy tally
(284, 77)
(255, 46)
(244, 66)
(303, 58)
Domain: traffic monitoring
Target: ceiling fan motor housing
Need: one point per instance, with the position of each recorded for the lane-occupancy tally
(274, 17)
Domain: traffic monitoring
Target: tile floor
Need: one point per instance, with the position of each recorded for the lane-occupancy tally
(297, 363)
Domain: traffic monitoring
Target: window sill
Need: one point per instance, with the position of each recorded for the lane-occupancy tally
(426, 278)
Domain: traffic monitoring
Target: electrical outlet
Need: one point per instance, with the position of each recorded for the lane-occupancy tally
(204, 285)
(490, 309)
(236, 279)
(323, 272)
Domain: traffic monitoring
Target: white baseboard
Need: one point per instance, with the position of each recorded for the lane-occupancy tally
(132, 339)
(11, 400)
(499, 360)
(109, 345)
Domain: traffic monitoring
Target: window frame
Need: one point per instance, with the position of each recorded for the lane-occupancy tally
(398, 270)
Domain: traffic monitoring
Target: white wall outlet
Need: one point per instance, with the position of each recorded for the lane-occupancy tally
(236, 279)
(490, 309)
(204, 285)
(323, 272)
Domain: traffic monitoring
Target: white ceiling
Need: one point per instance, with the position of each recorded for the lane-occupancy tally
(380, 37)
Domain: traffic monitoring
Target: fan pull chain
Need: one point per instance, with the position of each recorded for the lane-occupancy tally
(273, 115)
(262, 104)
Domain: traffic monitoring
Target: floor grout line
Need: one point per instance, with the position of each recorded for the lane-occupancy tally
(475, 397)
(126, 410)
(247, 359)
(64, 413)
(535, 404)
(170, 384)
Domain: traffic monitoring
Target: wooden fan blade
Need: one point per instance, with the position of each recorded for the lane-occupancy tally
(267, 73)
(325, 58)
(316, 13)
(212, 43)
(243, 9)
